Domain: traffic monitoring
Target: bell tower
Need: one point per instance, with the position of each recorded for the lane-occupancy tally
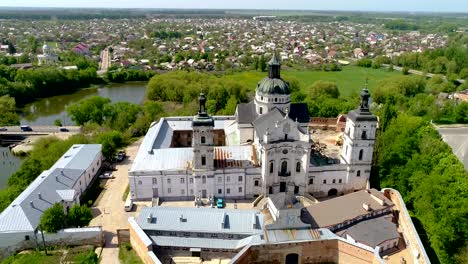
(203, 138)
(358, 143)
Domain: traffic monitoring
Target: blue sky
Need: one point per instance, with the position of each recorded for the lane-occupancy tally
(364, 5)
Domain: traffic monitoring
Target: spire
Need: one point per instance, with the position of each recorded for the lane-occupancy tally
(274, 67)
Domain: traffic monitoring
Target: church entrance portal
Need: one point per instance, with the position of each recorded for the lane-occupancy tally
(292, 259)
(332, 192)
(282, 186)
(203, 193)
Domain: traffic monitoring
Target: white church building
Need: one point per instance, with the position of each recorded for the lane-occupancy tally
(265, 148)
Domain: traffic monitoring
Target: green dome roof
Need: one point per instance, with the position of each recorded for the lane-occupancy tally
(273, 86)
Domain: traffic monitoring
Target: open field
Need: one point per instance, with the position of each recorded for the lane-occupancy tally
(350, 79)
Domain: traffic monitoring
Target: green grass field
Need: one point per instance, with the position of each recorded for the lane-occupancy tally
(350, 79)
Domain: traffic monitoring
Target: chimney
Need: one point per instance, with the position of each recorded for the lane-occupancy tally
(39, 195)
(254, 221)
(366, 206)
(32, 204)
(149, 219)
(56, 178)
(182, 219)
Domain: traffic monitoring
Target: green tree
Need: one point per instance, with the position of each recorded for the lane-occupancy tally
(90, 109)
(111, 142)
(58, 122)
(262, 63)
(53, 218)
(324, 88)
(8, 110)
(79, 216)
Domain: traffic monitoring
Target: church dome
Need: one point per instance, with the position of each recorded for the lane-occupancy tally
(45, 49)
(273, 86)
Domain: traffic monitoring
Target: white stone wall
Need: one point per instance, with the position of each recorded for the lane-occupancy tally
(269, 101)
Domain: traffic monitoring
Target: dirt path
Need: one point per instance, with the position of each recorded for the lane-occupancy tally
(109, 212)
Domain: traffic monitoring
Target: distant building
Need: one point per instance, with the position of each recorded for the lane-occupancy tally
(81, 49)
(63, 183)
(47, 57)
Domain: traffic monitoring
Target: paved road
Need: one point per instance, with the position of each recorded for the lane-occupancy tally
(429, 75)
(109, 211)
(457, 139)
(16, 130)
(105, 61)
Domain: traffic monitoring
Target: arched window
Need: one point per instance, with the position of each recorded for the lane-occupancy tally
(261, 110)
(271, 167)
(364, 135)
(203, 160)
(358, 173)
(298, 166)
(361, 152)
(276, 100)
(284, 167)
(203, 140)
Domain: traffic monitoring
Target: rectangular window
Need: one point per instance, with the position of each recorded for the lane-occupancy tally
(220, 179)
(155, 181)
(191, 191)
(240, 189)
(169, 181)
(200, 235)
(214, 235)
(182, 180)
(240, 178)
(228, 179)
(324, 181)
(191, 180)
(182, 192)
(203, 160)
(168, 190)
(220, 191)
(334, 181)
(311, 181)
(139, 182)
(340, 181)
(228, 191)
(256, 183)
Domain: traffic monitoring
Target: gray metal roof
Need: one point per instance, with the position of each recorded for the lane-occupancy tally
(51, 186)
(373, 232)
(344, 208)
(202, 220)
(246, 113)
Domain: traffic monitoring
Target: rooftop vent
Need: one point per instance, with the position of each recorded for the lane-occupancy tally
(39, 195)
(150, 152)
(149, 219)
(32, 204)
(182, 218)
(366, 206)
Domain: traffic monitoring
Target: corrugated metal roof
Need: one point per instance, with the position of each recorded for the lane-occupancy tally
(51, 186)
(204, 220)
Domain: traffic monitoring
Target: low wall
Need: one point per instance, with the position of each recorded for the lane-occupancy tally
(141, 243)
(410, 235)
(14, 242)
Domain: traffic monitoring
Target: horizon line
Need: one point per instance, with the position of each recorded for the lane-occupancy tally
(244, 9)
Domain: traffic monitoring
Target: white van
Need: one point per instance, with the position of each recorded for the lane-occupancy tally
(128, 204)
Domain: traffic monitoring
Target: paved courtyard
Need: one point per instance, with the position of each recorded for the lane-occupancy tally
(109, 210)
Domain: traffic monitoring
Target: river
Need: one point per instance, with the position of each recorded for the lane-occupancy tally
(46, 111)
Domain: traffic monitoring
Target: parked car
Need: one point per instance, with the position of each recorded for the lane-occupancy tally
(3, 129)
(220, 203)
(63, 129)
(26, 128)
(106, 175)
(121, 156)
